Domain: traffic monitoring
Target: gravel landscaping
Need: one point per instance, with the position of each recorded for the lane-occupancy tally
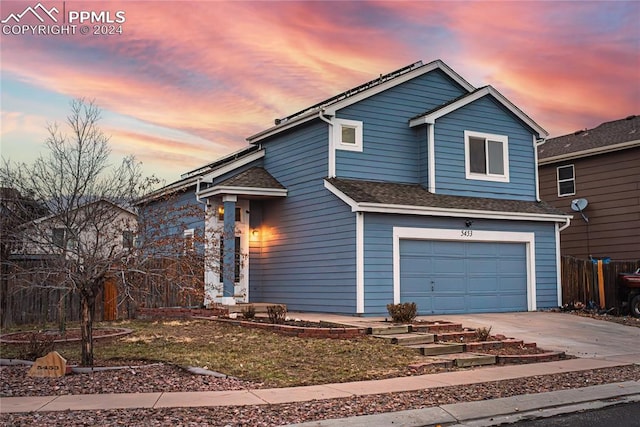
(170, 379)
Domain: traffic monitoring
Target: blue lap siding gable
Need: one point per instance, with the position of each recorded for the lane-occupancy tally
(307, 251)
(392, 151)
(487, 116)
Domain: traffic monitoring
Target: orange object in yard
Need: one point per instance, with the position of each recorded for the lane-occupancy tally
(601, 285)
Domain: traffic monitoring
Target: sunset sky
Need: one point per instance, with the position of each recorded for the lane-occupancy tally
(188, 81)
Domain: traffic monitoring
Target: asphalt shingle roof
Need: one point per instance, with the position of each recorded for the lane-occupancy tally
(606, 134)
(255, 177)
(415, 195)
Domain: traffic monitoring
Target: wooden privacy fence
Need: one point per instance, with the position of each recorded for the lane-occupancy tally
(26, 303)
(580, 280)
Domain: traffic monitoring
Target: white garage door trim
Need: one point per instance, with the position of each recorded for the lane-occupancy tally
(466, 235)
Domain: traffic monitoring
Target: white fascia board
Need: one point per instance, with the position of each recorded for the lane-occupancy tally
(242, 191)
(488, 90)
(590, 152)
(232, 166)
(457, 213)
(171, 188)
(188, 182)
(340, 195)
(446, 212)
(254, 139)
(331, 109)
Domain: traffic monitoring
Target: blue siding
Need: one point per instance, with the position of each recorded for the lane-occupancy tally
(173, 215)
(488, 116)
(392, 151)
(378, 254)
(307, 254)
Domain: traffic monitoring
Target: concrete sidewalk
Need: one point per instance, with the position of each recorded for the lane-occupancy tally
(298, 394)
(498, 411)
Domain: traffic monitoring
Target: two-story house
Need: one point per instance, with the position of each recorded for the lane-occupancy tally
(415, 186)
(595, 175)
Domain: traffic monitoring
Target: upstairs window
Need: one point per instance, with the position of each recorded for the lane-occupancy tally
(566, 180)
(486, 156)
(347, 134)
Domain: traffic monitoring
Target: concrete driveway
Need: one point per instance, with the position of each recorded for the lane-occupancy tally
(576, 335)
(579, 336)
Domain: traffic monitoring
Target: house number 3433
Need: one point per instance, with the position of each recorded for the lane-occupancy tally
(466, 233)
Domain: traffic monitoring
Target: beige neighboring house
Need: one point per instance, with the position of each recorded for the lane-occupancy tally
(95, 230)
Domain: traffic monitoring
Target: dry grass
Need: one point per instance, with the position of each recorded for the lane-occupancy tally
(250, 354)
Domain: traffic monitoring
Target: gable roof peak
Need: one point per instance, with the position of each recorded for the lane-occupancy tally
(383, 82)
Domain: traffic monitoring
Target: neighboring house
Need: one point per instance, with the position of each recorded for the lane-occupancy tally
(92, 230)
(602, 167)
(415, 186)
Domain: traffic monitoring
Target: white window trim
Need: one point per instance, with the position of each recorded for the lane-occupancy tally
(505, 157)
(188, 236)
(573, 178)
(337, 135)
(528, 238)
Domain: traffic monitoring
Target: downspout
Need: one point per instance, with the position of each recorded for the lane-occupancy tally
(536, 144)
(332, 154)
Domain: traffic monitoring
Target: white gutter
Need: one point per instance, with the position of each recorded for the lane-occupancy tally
(445, 212)
(567, 223)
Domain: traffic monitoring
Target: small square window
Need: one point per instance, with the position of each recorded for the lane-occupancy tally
(486, 156)
(566, 180)
(347, 134)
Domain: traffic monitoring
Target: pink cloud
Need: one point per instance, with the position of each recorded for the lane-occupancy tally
(220, 71)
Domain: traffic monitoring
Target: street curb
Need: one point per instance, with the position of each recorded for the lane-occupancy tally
(497, 411)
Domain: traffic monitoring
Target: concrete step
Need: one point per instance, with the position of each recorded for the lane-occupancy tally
(407, 339)
(389, 330)
(465, 360)
(438, 348)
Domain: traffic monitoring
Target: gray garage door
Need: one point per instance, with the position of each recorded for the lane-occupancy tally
(463, 277)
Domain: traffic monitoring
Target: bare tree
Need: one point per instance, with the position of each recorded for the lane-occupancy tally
(89, 211)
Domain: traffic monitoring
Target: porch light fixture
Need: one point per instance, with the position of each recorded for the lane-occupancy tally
(255, 234)
(221, 212)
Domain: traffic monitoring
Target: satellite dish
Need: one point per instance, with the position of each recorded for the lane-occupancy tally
(578, 205)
